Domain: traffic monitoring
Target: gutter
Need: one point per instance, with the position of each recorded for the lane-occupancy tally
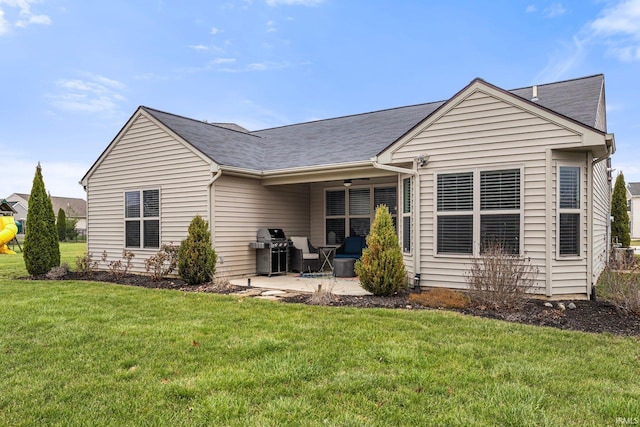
(416, 207)
(213, 179)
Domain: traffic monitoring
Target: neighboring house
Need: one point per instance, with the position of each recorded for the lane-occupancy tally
(633, 203)
(73, 208)
(20, 215)
(526, 166)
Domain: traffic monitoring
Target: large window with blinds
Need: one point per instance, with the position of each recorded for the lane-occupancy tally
(350, 212)
(569, 211)
(500, 209)
(455, 213)
(485, 204)
(142, 218)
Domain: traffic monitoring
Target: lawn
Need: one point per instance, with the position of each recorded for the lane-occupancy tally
(87, 353)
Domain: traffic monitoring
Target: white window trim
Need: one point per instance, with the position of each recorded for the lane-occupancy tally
(347, 217)
(582, 253)
(402, 214)
(476, 212)
(141, 218)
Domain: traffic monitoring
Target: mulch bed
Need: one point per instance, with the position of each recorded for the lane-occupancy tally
(588, 316)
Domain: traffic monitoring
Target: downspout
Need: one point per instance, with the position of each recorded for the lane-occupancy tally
(213, 179)
(416, 197)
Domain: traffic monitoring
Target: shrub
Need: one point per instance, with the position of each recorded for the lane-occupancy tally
(57, 273)
(117, 267)
(41, 246)
(196, 258)
(85, 264)
(620, 285)
(323, 295)
(381, 268)
(440, 298)
(620, 224)
(163, 263)
(499, 278)
(61, 225)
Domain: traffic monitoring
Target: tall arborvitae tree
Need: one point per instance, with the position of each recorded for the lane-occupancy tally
(62, 225)
(196, 257)
(41, 247)
(381, 268)
(620, 224)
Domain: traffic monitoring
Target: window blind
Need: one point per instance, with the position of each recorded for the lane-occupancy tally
(359, 201)
(455, 191)
(500, 189)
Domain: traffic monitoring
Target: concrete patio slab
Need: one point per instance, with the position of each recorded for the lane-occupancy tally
(293, 282)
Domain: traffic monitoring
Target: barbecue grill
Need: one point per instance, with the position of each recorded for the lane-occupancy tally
(272, 251)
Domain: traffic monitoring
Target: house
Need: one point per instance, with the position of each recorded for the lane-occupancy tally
(73, 207)
(633, 203)
(526, 166)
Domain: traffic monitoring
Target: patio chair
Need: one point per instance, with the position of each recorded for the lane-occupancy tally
(303, 256)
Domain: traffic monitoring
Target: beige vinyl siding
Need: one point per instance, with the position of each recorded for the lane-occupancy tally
(241, 206)
(484, 133)
(570, 274)
(634, 216)
(145, 157)
(601, 214)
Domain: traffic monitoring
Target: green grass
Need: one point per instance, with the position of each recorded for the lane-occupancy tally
(87, 353)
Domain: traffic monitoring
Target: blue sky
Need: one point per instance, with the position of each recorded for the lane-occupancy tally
(73, 72)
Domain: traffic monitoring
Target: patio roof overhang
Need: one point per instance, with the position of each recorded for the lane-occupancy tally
(307, 174)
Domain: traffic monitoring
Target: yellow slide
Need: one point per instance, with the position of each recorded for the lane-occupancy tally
(8, 230)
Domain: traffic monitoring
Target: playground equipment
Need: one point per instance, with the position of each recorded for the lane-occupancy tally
(8, 231)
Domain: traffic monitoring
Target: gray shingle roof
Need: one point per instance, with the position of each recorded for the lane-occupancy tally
(634, 188)
(356, 137)
(68, 204)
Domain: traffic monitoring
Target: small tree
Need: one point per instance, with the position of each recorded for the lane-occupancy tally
(72, 233)
(61, 224)
(41, 247)
(196, 257)
(381, 268)
(620, 224)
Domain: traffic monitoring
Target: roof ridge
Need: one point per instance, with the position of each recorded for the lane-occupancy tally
(350, 115)
(559, 81)
(199, 121)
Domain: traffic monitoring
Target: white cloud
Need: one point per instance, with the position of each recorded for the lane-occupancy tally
(531, 8)
(215, 30)
(274, 3)
(35, 19)
(26, 17)
(563, 61)
(94, 94)
(4, 24)
(60, 178)
(556, 9)
(271, 27)
(198, 47)
(619, 28)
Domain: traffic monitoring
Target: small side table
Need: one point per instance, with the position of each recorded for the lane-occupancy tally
(326, 255)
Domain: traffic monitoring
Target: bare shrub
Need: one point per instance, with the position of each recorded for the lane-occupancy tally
(163, 263)
(619, 284)
(323, 295)
(86, 265)
(119, 268)
(57, 273)
(440, 298)
(500, 279)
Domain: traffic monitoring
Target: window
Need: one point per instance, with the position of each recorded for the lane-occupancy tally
(142, 220)
(488, 212)
(351, 212)
(499, 197)
(455, 213)
(406, 214)
(569, 211)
